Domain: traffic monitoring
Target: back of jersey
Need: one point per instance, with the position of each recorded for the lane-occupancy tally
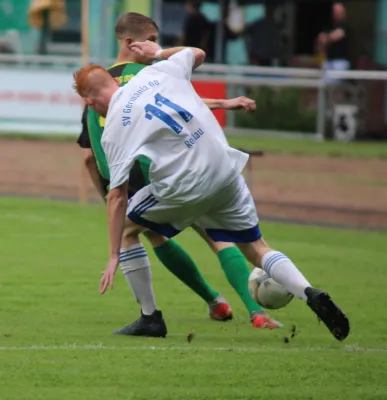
(165, 120)
(123, 72)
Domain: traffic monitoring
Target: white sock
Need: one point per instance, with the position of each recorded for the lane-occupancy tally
(282, 270)
(135, 266)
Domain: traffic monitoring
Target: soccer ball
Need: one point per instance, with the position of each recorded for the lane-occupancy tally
(266, 291)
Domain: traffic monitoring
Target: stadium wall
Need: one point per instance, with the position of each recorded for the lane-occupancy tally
(39, 101)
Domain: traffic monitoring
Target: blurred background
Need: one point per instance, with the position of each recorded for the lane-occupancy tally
(316, 138)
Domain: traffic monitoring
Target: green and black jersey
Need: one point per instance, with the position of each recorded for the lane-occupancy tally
(92, 130)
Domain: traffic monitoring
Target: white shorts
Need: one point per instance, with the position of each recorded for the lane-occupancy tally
(227, 216)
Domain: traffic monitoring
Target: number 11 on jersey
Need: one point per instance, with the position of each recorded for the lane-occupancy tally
(153, 111)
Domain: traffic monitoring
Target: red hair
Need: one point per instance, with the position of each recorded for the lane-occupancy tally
(82, 81)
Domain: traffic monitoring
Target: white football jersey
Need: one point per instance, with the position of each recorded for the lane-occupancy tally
(158, 114)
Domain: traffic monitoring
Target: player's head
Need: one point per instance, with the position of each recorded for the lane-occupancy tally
(133, 27)
(96, 86)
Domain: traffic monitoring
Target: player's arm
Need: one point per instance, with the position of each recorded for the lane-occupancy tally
(199, 55)
(117, 202)
(154, 52)
(116, 209)
(120, 164)
(238, 103)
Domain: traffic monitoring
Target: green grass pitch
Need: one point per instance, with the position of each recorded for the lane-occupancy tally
(56, 341)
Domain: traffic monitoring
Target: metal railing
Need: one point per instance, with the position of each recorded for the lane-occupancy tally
(232, 76)
(218, 69)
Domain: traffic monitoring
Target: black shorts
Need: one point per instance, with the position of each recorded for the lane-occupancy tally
(136, 180)
(83, 139)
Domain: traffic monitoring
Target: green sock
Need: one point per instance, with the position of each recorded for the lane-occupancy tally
(237, 272)
(177, 261)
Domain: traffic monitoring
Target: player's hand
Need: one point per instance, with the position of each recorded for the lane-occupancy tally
(145, 49)
(240, 103)
(108, 275)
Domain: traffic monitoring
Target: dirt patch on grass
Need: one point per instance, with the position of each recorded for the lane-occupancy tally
(309, 189)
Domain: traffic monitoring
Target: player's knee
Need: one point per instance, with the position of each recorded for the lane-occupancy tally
(155, 239)
(130, 236)
(204, 236)
(261, 247)
(219, 246)
(88, 158)
(216, 247)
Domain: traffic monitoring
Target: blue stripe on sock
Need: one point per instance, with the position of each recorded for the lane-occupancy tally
(272, 260)
(131, 251)
(135, 255)
(133, 258)
(138, 253)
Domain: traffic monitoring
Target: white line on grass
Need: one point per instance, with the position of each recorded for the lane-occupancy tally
(74, 346)
(32, 218)
(43, 236)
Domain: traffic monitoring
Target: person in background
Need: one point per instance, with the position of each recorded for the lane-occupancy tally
(196, 28)
(334, 41)
(264, 40)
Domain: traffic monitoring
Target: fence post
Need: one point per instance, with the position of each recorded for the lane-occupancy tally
(321, 111)
(83, 193)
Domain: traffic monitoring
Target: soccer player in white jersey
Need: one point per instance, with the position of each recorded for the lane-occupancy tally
(133, 27)
(195, 176)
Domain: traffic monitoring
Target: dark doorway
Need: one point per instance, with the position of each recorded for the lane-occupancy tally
(311, 18)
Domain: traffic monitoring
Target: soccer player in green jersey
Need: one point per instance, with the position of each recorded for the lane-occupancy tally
(134, 262)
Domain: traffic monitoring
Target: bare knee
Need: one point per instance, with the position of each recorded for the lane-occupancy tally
(131, 234)
(219, 246)
(255, 251)
(216, 247)
(155, 239)
(88, 158)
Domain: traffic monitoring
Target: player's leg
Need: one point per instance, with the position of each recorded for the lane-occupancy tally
(171, 255)
(135, 266)
(239, 221)
(169, 220)
(278, 266)
(144, 212)
(258, 316)
(153, 217)
(235, 268)
(180, 264)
